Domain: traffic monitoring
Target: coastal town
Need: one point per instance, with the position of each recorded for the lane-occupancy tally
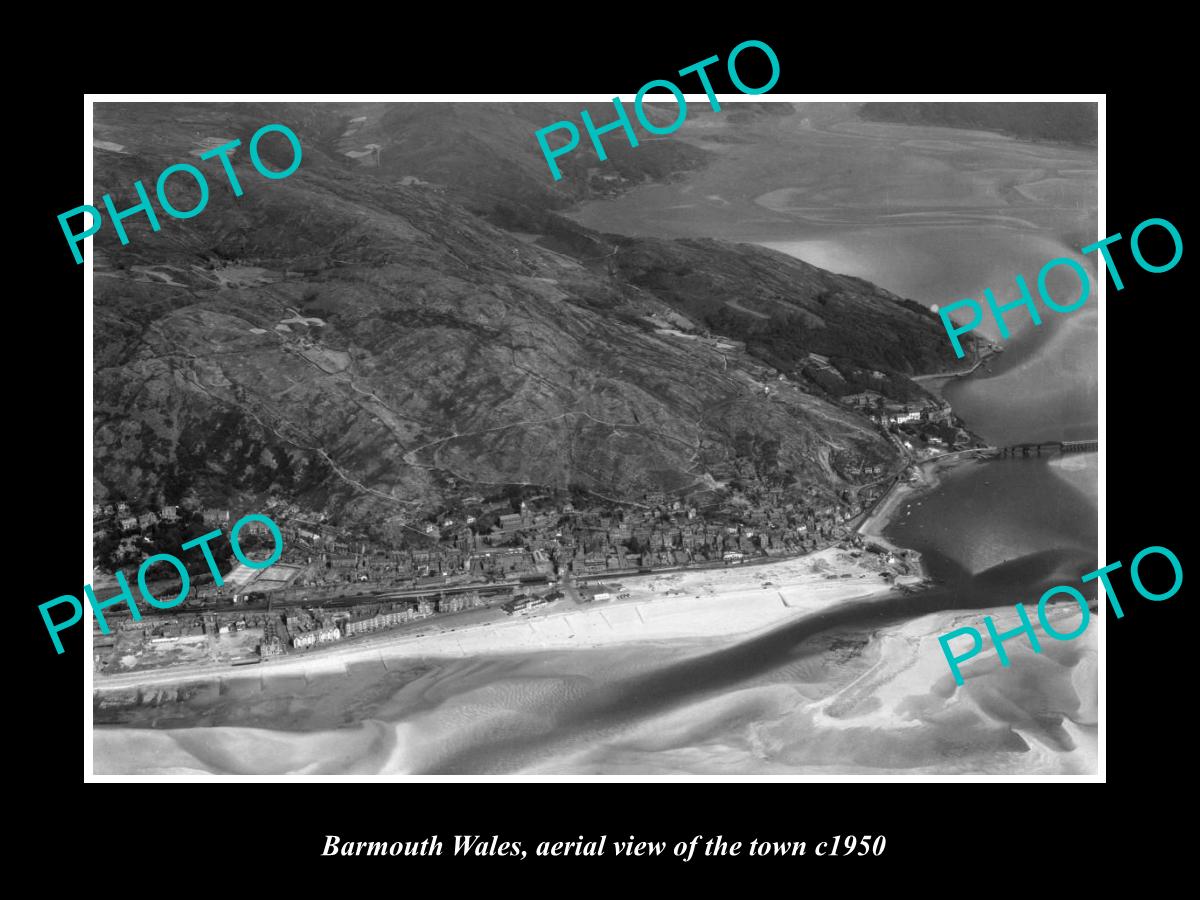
(515, 552)
(657, 471)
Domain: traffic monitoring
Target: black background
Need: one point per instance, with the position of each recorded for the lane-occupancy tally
(274, 832)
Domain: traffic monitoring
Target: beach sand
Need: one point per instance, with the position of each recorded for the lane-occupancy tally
(928, 477)
(878, 703)
(1081, 471)
(695, 672)
(850, 700)
(732, 602)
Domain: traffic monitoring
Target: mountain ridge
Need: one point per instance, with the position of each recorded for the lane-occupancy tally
(371, 349)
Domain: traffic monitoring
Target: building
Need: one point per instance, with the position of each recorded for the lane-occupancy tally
(324, 633)
(169, 513)
(128, 523)
(900, 413)
(304, 640)
(865, 399)
(523, 604)
(381, 618)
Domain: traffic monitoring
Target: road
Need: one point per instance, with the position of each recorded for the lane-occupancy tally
(921, 379)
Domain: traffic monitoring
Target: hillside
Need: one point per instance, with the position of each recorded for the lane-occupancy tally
(783, 307)
(487, 152)
(356, 340)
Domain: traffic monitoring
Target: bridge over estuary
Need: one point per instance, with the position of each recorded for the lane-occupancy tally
(1033, 448)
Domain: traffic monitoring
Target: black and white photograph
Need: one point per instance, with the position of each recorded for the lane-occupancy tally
(531, 438)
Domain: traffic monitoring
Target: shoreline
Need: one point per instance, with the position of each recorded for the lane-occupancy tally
(929, 476)
(670, 606)
(695, 605)
(936, 381)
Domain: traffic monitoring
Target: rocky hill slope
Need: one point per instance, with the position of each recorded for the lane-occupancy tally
(356, 339)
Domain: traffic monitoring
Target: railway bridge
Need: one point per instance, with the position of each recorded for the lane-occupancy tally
(1036, 448)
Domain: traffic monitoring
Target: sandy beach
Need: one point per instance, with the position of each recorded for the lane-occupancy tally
(713, 603)
(928, 477)
(731, 603)
(853, 699)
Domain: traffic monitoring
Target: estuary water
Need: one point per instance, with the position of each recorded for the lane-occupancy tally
(930, 214)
